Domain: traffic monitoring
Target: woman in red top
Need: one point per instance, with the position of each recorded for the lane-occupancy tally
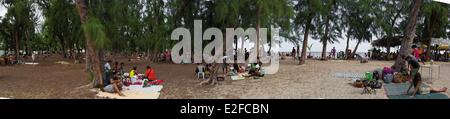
(415, 52)
(150, 73)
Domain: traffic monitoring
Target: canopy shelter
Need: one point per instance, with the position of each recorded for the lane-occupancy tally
(393, 41)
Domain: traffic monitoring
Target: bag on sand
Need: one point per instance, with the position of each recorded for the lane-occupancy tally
(375, 84)
(358, 84)
(399, 78)
(387, 70)
(388, 78)
(376, 75)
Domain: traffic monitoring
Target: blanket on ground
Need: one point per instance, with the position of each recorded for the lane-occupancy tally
(398, 90)
(135, 92)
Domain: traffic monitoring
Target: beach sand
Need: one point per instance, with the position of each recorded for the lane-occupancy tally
(314, 80)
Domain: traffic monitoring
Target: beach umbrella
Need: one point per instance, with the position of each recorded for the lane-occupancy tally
(442, 47)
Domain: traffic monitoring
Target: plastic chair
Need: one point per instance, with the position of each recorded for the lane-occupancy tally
(200, 72)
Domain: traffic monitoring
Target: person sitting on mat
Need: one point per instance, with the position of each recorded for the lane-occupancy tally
(417, 82)
(134, 72)
(150, 73)
(115, 86)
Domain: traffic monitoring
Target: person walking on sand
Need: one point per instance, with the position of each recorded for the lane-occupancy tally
(293, 52)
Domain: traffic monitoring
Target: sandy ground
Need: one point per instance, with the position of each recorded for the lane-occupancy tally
(315, 80)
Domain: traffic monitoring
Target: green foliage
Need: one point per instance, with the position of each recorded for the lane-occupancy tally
(129, 25)
(96, 31)
(436, 14)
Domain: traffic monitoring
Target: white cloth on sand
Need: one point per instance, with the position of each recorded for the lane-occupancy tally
(135, 92)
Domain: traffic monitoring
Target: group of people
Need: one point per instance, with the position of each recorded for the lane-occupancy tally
(332, 54)
(254, 69)
(115, 78)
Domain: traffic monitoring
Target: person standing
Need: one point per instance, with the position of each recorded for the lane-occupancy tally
(333, 52)
(107, 70)
(293, 52)
(33, 57)
(415, 52)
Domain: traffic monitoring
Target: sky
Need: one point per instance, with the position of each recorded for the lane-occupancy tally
(2, 10)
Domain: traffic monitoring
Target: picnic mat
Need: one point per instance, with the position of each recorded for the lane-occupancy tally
(397, 90)
(135, 92)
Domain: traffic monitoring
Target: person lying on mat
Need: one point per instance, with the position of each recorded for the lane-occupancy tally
(150, 73)
(115, 86)
(417, 82)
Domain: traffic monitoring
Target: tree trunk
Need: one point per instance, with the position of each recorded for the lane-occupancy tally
(297, 53)
(348, 45)
(408, 37)
(305, 40)
(17, 47)
(325, 40)
(93, 54)
(327, 28)
(88, 60)
(27, 44)
(356, 48)
(258, 23)
(430, 29)
(63, 45)
(388, 49)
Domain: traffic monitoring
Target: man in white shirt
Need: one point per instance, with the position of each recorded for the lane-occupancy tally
(107, 68)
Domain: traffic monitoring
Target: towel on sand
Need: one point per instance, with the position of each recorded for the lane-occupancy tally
(237, 78)
(135, 92)
(397, 90)
(31, 63)
(349, 75)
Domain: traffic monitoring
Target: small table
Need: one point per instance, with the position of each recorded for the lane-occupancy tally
(430, 71)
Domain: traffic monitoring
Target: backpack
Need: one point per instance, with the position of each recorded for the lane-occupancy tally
(388, 78)
(376, 75)
(376, 85)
